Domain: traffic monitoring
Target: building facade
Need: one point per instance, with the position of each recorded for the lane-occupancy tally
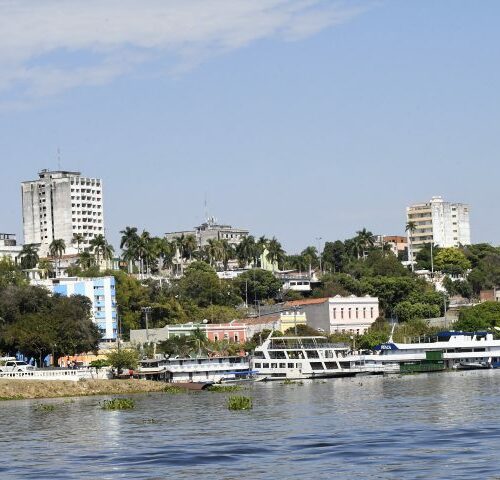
(59, 205)
(211, 230)
(339, 314)
(442, 223)
(9, 247)
(232, 332)
(100, 291)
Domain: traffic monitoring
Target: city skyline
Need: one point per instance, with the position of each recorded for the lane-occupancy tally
(293, 122)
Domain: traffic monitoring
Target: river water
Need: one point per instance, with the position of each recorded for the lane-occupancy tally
(441, 425)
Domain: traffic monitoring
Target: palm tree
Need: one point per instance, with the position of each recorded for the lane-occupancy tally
(245, 251)
(101, 249)
(143, 249)
(275, 252)
(227, 252)
(410, 229)
(190, 245)
(310, 255)
(56, 250)
(213, 250)
(86, 260)
(46, 267)
(366, 240)
(128, 245)
(78, 238)
(29, 256)
(166, 252)
(260, 247)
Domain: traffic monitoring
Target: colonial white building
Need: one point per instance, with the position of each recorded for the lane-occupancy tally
(339, 314)
(9, 247)
(60, 204)
(442, 223)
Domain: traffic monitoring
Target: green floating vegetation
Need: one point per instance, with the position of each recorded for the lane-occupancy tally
(224, 388)
(287, 381)
(44, 407)
(118, 404)
(239, 402)
(173, 389)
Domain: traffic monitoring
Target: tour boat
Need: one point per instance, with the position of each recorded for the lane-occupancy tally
(194, 369)
(294, 358)
(446, 350)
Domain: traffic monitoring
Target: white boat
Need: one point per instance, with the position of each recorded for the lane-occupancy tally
(294, 358)
(446, 350)
(194, 369)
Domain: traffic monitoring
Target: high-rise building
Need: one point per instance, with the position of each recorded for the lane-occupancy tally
(59, 205)
(442, 223)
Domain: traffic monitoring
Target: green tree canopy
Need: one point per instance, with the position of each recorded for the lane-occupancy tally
(451, 260)
(479, 317)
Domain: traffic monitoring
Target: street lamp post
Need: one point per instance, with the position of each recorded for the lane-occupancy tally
(318, 240)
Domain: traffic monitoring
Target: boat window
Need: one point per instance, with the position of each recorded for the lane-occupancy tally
(316, 365)
(282, 365)
(274, 365)
(265, 365)
(290, 365)
(294, 354)
(312, 354)
(257, 365)
(258, 355)
(331, 365)
(329, 354)
(277, 354)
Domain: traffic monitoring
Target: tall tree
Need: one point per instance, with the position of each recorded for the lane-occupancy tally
(366, 240)
(245, 251)
(128, 244)
(101, 249)
(410, 228)
(29, 256)
(56, 251)
(78, 238)
(275, 252)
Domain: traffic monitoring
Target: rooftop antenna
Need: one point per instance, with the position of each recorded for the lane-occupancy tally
(58, 158)
(206, 208)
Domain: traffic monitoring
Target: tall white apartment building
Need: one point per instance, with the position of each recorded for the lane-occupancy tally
(59, 205)
(442, 223)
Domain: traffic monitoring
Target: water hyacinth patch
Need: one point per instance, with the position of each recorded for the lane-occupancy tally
(239, 402)
(118, 404)
(224, 388)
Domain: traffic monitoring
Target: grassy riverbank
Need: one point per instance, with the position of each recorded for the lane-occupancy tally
(25, 389)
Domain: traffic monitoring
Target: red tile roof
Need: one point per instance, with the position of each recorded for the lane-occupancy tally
(306, 301)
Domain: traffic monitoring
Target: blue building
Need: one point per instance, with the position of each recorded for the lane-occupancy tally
(100, 291)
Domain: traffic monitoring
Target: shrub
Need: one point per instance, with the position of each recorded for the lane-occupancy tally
(239, 402)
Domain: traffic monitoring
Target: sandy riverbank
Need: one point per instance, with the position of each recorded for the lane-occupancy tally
(25, 389)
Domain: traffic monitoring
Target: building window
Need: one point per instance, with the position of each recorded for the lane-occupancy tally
(216, 337)
(349, 313)
(342, 313)
(334, 313)
(371, 312)
(357, 313)
(364, 312)
(236, 338)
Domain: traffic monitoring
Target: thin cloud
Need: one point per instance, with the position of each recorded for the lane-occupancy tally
(49, 46)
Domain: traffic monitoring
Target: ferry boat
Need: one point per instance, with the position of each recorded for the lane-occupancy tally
(446, 350)
(194, 369)
(295, 358)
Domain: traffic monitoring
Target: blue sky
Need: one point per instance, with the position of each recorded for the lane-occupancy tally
(294, 118)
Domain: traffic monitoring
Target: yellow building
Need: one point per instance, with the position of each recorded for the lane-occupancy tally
(290, 319)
